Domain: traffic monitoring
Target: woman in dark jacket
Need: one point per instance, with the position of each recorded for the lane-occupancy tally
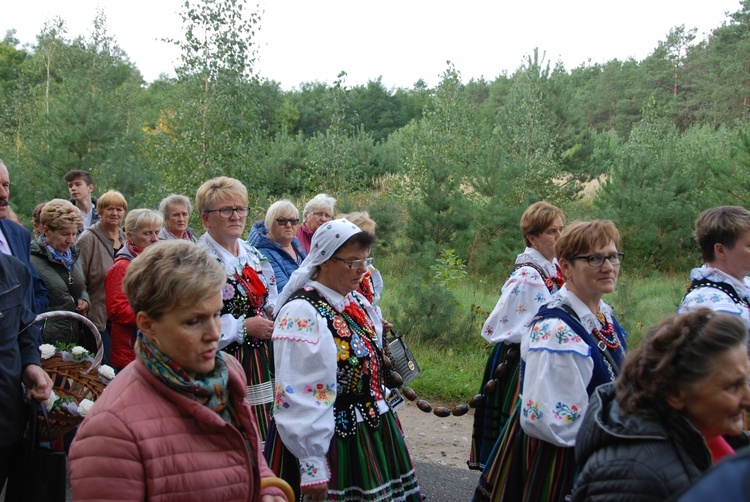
(275, 239)
(56, 260)
(653, 433)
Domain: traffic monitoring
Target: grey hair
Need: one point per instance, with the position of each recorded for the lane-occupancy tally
(174, 200)
(279, 208)
(320, 201)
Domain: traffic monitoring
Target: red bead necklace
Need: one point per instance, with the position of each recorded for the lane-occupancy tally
(607, 331)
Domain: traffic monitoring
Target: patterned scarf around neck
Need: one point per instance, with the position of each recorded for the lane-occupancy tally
(209, 389)
(134, 250)
(65, 258)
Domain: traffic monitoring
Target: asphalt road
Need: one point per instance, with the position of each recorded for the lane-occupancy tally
(440, 483)
(446, 484)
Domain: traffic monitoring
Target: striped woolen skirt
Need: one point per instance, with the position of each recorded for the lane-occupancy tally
(258, 365)
(490, 417)
(371, 465)
(523, 468)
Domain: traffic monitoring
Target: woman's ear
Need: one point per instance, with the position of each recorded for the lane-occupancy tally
(532, 240)
(145, 324)
(720, 251)
(678, 400)
(565, 267)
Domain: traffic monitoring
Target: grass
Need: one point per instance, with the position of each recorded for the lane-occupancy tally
(642, 300)
(451, 371)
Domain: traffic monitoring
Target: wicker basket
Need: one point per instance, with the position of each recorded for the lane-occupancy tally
(78, 379)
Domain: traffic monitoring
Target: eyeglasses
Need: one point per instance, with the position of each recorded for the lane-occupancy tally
(226, 212)
(354, 264)
(283, 221)
(597, 260)
(321, 214)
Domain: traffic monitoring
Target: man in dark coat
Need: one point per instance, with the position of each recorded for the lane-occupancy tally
(15, 240)
(19, 357)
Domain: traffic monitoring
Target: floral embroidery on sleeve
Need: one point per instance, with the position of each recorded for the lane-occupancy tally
(565, 334)
(294, 324)
(308, 470)
(531, 410)
(565, 412)
(540, 332)
(322, 393)
(279, 400)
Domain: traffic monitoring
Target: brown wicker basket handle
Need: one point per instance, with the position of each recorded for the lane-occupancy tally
(88, 323)
(278, 483)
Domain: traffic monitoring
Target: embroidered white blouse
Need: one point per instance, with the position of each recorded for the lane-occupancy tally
(233, 328)
(715, 299)
(305, 357)
(522, 295)
(559, 367)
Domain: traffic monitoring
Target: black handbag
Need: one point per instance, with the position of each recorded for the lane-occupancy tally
(37, 473)
(406, 364)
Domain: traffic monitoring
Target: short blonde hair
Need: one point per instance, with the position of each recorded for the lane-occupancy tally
(362, 220)
(537, 218)
(279, 208)
(219, 188)
(37, 214)
(59, 213)
(140, 218)
(582, 237)
(165, 277)
(111, 198)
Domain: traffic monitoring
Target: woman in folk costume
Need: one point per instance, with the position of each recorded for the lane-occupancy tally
(333, 435)
(533, 279)
(250, 292)
(722, 283)
(573, 345)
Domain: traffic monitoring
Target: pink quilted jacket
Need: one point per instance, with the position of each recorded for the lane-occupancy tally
(144, 441)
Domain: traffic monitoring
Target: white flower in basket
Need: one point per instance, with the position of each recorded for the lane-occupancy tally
(85, 406)
(106, 373)
(76, 353)
(47, 350)
(50, 402)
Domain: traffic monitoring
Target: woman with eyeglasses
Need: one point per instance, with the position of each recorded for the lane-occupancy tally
(275, 239)
(534, 278)
(333, 435)
(573, 345)
(250, 292)
(317, 211)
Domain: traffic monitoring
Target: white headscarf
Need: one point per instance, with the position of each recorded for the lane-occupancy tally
(326, 240)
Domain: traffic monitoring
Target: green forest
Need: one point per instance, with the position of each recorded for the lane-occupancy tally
(445, 171)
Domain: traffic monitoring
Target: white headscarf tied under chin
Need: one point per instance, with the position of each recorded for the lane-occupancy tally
(326, 240)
